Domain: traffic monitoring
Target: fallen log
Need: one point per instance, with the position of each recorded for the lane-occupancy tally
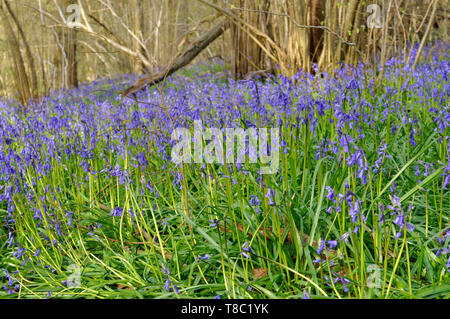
(184, 59)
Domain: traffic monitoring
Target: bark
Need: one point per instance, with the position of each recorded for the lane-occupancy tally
(137, 11)
(317, 35)
(248, 55)
(33, 74)
(72, 65)
(70, 47)
(19, 71)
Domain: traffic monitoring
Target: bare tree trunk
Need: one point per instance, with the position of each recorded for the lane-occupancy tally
(248, 56)
(317, 35)
(72, 65)
(137, 12)
(71, 53)
(20, 75)
(171, 25)
(34, 84)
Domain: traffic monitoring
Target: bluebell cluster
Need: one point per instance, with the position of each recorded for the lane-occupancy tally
(92, 135)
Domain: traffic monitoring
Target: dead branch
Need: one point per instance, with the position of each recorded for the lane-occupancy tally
(182, 60)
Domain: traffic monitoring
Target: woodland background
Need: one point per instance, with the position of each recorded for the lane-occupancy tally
(42, 46)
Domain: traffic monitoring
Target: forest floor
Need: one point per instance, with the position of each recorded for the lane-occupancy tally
(345, 194)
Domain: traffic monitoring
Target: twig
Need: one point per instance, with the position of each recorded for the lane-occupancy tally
(425, 36)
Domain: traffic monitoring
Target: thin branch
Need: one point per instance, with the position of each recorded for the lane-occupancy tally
(425, 36)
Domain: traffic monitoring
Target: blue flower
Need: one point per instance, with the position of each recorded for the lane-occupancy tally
(254, 200)
(117, 212)
(344, 237)
(270, 195)
(246, 249)
(213, 223)
(166, 285)
(321, 248)
(330, 195)
(306, 295)
(205, 257)
(332, 244)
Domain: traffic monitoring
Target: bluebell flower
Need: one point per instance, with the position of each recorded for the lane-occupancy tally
(321, 247)
(205, 257)
(306, 295)
(270, 195)
(213, 223)
(330, 195)
(344, 237)
(117, 212)
(254, 200)
(166, 285)
(246, 249)
(332, 243)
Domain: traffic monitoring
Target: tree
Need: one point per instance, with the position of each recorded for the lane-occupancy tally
(25, 88)
(137, 17)
(70, 48)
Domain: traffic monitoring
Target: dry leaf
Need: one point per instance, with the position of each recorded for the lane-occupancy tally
(168, 255)
(124, 287)
(259, 273)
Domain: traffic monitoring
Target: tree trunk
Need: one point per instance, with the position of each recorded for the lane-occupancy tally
(19, 71)
(70, 47)
(317, 35)
(33, 75)
(247, 55)
(71, 54)
(137, 12)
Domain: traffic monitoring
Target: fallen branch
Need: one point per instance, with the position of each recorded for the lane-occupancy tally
(182, 60)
